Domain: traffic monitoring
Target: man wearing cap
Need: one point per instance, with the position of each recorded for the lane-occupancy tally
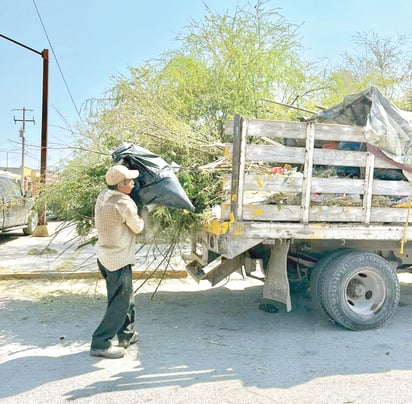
(117, 223)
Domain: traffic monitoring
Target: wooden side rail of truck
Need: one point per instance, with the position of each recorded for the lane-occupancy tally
(344, 236)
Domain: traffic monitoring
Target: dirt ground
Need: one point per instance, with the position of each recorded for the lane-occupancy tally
(197, 345)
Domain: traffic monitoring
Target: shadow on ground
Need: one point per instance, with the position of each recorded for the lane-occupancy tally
(187, 338)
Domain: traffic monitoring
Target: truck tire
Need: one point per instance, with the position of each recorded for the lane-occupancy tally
(318, 274)
(360, 291)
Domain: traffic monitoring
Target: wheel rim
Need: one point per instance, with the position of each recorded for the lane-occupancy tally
(33, 222)
(365, 292)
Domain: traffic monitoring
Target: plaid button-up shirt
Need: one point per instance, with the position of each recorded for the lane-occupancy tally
(117, 223)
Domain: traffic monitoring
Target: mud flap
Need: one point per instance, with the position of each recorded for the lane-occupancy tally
(276, 285)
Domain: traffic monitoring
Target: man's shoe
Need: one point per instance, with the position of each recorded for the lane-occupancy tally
(125, 343)
(110, 353)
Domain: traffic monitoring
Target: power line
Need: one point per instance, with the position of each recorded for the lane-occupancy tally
(58, 64)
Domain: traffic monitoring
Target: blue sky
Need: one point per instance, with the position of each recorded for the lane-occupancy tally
(95, 40)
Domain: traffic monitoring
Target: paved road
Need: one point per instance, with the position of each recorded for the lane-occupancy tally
(197, 344)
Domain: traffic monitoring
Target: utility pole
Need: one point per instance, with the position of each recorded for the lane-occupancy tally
(41, 229)
(22, 133)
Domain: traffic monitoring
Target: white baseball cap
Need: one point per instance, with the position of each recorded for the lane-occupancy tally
(119, 173)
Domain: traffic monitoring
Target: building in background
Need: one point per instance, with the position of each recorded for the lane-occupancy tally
(31, 182)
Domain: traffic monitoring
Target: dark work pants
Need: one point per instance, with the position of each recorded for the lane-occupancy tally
(120, 312)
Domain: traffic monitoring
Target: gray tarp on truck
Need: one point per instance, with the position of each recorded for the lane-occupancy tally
(386, 126)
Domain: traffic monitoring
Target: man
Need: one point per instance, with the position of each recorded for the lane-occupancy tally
(117, 223)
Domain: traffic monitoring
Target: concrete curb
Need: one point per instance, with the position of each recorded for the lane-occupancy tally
(49, 275)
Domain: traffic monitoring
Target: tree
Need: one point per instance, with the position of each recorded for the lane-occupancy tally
(378, 61)
(176, 106)
(250, 55)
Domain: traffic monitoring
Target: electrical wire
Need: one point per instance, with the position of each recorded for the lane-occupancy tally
(58, 64)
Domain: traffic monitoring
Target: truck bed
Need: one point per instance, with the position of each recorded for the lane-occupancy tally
(318, 208)
(283, 184)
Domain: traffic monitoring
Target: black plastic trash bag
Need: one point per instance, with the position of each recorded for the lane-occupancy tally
(157, 183)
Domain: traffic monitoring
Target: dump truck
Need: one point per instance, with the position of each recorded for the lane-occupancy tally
(307, 212)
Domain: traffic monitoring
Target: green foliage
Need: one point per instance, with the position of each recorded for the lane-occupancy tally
(72, 195)
(176, 106)
(250, 55)
(203, 188)
(375, 61)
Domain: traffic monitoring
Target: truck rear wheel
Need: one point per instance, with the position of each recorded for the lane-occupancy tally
(318, 274)
(360, 291)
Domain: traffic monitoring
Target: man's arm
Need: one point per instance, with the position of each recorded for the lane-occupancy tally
(132, 218)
